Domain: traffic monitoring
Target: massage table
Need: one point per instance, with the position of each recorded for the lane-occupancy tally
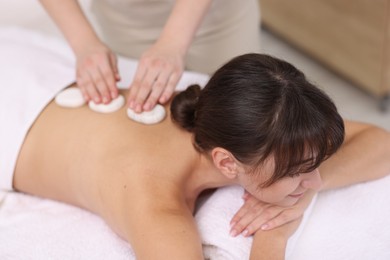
(348, 223)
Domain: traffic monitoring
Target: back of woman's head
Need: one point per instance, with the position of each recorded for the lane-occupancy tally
(257, 106)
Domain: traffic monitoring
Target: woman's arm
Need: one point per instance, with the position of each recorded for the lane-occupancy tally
(162, 231)
(364, 156)
(162, 65)
(272, 244)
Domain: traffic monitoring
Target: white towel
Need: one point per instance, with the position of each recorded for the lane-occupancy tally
(31, 74)
(213, 220)
(35, 228)
(47, 229)
(352, 223)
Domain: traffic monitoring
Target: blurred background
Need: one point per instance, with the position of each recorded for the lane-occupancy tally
(342, 46)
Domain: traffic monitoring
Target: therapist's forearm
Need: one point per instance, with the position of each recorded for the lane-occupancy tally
(183, 23)
(71, 20)
(364, 156)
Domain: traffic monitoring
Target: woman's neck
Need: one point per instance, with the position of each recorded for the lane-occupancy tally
(203, 177)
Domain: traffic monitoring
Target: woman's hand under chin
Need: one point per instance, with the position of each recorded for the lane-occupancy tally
(255, 214)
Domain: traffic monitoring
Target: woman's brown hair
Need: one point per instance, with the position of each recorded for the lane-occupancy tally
(257, 106)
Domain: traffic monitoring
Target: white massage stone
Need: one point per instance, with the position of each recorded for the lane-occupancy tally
(157, 114)
(113, 106)
(70, 97)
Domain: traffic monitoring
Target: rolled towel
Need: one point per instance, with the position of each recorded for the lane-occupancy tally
(213, 219)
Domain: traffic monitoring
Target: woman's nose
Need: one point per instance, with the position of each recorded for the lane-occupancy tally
(312, 181)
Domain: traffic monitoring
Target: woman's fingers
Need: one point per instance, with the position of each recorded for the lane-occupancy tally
(248, 206)
(246, 195)
(281, 219)
(292, 213)
(264, 218)
(252, 209)
(255, 215)
(242, 226)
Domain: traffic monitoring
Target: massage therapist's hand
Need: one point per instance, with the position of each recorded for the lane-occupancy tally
(158, 72)
(97, 73)
(255, 215)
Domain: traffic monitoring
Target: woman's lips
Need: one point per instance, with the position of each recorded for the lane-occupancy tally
(296, 195)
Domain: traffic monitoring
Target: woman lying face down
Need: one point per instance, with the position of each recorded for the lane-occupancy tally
(262, 122)
(257, 123)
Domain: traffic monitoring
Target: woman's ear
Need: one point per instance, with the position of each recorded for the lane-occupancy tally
(225, 162)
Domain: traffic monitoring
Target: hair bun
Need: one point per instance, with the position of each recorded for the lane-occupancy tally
(183, 107)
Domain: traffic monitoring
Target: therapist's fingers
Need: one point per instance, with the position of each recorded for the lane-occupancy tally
(164, 86)
(157, 88)
(145, 88)
(84, 93)
(81, 86)
(158, 72)
(136, 85)
(101, 85)
(114, 66)
(140, 89)
(104, 77)
(88, 88)
(97, 73)
(171, 86)
(105, 80)
(115, 75)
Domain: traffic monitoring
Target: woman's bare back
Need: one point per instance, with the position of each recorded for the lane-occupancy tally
(100, 161)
